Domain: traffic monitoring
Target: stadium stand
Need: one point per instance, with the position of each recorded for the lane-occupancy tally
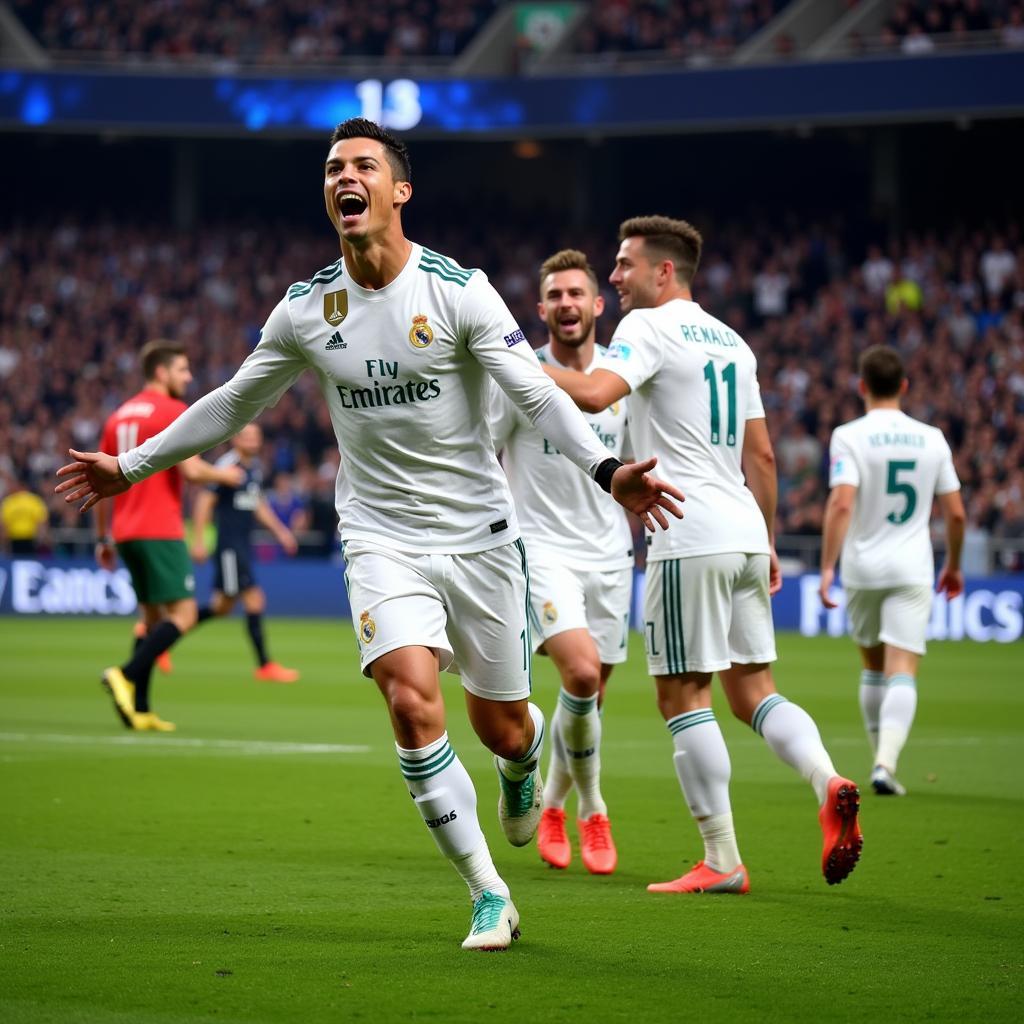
(253, 31)
(79, 299)
(701, 29)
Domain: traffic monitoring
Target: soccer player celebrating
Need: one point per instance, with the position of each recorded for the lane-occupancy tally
(886, 468)
(581, 566)
(149, 533)
(234, 509)
(695, 402)
(403, 341)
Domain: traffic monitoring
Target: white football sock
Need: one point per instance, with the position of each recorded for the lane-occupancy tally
(872, 690)
(445, 797)
(896, 718)
(517, 770)
(581, 739)
(557, 781)
(793, 736)
(703, 768)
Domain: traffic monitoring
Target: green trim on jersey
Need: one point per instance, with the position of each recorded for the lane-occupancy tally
(435, 263)
(325, 276)
(530, 616)
(672, 610)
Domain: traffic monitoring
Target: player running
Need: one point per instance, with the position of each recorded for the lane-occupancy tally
(149, 532)
(403, 341)
(581, 566)
(234, 509)
(695, 401)
(886, 468)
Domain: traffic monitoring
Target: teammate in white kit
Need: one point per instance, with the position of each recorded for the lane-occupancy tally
(581, 565)
(886, 468)
(403, 341)
(695, 401)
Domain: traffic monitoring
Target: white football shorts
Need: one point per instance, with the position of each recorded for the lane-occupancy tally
(564, 598)
(471, 609)
(897, 616)
(707, 612)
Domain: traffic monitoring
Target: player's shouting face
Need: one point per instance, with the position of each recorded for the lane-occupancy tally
(637, 278)
(569, 304)
(360, 190)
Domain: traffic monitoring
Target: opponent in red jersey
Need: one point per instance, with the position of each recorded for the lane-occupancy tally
(149, 532)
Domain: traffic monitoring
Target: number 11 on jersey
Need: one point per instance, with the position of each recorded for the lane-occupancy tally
(729, 377)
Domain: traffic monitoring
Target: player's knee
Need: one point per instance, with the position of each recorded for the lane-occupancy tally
(411, 710)
(505, 736)
(582, 677)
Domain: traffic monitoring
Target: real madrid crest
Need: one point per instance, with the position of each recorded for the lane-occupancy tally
(421, 334)
(614, 408)
(549, 614)
(336, 307)
(367, 628)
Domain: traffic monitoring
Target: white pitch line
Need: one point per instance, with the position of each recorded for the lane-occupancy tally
(158, 743)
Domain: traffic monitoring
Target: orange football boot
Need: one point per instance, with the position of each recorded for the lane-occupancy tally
(274, 673)
(701, 878)
(840, 830)
(596, 845)
(552, 840)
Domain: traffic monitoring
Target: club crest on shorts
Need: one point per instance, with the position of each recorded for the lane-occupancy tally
(336, 307)
(367, 627)
(614, 408)
(421, 334)
(549, 615)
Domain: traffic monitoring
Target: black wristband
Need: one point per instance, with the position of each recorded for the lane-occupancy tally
(604, 473)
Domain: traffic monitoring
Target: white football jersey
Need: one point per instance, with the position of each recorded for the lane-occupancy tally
(898, 465)
(693, 386)
(559, 507)
(404, 371)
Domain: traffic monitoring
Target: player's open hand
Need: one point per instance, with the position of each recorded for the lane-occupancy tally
(644, 495)
(198, 553)
(951, 583)
(92, 476)
(828, 577)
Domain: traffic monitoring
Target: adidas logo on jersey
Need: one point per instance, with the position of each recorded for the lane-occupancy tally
(335, 341)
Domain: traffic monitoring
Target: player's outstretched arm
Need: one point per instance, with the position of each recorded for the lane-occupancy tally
(266, 516)
(951, 579)
(92, 477)
(592, 392)
(838, 513)
(647, 497)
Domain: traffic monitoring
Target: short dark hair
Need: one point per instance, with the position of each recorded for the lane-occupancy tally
(395, 149)
(568, 259)
(158, 353)
(667, 239)
(881, 369)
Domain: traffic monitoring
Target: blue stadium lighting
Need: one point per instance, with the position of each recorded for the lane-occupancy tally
(36, 109)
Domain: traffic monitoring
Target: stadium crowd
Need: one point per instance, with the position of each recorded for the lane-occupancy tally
(692, 29)
(78, 301)
(922, 26)
(254, 31)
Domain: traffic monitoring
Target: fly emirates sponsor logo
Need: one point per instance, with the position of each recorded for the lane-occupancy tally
(383, 388)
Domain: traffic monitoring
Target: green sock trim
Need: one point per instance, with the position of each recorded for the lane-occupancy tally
(577, 705)
(429, 766)
(688, 719)
(901, 679)
(764, 709)
(869, 677)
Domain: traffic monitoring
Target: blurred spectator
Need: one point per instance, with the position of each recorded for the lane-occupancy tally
(24, 516)
(287, 503)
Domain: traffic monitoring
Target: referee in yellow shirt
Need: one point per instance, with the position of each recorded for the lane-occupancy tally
(24, 516)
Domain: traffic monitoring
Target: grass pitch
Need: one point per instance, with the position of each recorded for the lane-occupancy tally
(265, 864)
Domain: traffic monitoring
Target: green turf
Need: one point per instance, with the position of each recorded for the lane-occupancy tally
(163, 879)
